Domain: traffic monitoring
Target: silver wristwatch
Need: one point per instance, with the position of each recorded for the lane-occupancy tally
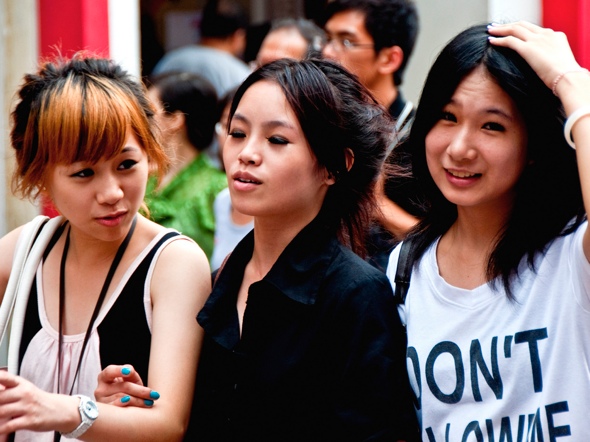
(88, 414)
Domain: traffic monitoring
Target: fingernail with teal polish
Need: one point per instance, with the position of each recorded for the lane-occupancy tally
(125, 399)
(154, 395)
(125, 371)
(148, 402)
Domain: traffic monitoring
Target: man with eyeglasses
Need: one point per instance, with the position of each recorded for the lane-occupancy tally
(374, 40)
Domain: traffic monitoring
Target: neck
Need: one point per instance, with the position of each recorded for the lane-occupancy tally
(271, 237)
(221, 44)
(384, 91)
(239, 218)
(479, 228)
(182, 155)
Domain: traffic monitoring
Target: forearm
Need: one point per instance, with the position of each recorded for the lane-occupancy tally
(158, 423)
(574, 91)
(395, 219)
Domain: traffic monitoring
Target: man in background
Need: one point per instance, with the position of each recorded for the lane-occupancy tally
(295, 38)
(374, 39)
(216, 57)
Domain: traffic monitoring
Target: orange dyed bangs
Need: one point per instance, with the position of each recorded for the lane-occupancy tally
(87, 119)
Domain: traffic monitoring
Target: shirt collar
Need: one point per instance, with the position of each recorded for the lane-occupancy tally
(298, 274)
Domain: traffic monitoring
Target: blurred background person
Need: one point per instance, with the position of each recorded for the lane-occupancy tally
(296, 38)
(183, 200)
(374, 39)
(217, 56)
(230, 225)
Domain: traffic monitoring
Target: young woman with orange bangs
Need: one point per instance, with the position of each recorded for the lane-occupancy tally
(111, 285)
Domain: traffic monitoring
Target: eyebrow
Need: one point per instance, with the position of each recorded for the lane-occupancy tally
(129, 149)
(343, 34)
(500, 112)
(267, 124)
(489, 110)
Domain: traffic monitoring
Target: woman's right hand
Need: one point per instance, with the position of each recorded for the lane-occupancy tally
(121, 385)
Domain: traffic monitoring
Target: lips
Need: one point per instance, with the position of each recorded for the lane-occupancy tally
(244, 177)
(462, 174)
(243, 180)
(114, 215)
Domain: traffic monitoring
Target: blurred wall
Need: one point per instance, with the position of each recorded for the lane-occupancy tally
(18, 54)
(441, 20)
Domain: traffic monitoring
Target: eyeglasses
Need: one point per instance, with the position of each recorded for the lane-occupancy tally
(221, 128)
(344, 44)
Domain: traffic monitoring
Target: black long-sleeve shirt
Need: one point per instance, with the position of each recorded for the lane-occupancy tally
(321, 355)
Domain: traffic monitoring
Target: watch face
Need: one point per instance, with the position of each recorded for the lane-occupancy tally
(90, 410)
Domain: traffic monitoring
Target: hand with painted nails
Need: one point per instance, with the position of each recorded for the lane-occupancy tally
(122, 386)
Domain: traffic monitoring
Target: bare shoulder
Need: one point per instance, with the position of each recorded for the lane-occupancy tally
(181, 267)
(182, 248)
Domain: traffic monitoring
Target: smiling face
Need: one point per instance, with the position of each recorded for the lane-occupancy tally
(100, 200)
(271, 169)
(477, 151)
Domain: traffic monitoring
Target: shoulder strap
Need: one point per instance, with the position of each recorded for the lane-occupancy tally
(403, 272)
(24, 244)
(402, 119)
(23, 287)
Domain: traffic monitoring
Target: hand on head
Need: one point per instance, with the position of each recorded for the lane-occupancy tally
(546, 51)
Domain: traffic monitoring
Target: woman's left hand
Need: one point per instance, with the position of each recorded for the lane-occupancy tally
(122, 386)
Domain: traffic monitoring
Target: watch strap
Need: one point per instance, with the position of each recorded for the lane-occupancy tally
(87, 421)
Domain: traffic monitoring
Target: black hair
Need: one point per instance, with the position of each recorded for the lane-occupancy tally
(388, 22)
(336, 112)
(222, 18)
(548, 193)
(195, 97)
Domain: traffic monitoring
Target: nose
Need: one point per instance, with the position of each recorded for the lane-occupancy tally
(461, 146)
(250, 154)
(329, 51)
(109, 190)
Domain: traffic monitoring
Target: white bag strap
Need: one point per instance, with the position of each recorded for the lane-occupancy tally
(23, 284)
(23, 246)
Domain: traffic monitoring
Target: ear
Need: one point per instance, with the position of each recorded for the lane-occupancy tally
(238, 42)
(176, 120)
(349, 158)
(389, 60)
(329, 177)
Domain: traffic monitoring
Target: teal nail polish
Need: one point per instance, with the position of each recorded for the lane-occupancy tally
(125, 399)
(125, 371)
(154, 395)
(148, 402)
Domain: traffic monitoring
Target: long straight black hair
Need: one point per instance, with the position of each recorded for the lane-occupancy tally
(548, 195)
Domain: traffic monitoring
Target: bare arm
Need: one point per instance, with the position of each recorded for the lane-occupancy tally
(549, 54)
(180, 286)
(390, 215)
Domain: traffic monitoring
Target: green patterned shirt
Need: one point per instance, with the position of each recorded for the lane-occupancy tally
(186, 202)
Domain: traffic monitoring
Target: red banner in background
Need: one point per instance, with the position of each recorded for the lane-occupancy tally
(573, 18)
(68, 26)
